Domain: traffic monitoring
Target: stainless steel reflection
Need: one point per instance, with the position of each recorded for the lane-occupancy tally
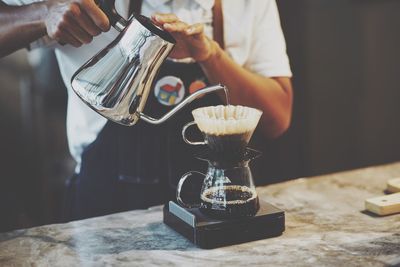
(117, 81)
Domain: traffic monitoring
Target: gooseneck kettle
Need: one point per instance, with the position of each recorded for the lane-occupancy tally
(116, 81)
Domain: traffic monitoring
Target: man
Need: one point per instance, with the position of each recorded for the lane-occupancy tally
(237, 43)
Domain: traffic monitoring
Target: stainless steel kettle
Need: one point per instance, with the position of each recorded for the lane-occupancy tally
(116, 82)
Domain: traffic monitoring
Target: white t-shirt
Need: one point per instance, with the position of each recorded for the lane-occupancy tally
(252, 34)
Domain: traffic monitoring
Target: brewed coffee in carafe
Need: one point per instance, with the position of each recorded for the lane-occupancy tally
(228, 190)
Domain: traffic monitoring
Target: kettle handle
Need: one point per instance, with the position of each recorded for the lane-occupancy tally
(108, 7)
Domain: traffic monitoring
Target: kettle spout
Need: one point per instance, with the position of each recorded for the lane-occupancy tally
(186, 101)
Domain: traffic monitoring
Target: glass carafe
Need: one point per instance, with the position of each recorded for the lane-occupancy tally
(228, 189)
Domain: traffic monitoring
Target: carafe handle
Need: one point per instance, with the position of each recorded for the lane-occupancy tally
(108, 7)
(179, 190)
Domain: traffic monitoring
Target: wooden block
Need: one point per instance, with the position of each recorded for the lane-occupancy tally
(384, 205)
(393, 185)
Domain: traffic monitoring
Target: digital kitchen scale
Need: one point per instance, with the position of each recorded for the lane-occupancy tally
(208, 232)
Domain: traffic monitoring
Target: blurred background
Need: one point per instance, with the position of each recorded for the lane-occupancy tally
(345, 60)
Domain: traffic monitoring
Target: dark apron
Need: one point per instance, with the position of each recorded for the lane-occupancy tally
(137, 167)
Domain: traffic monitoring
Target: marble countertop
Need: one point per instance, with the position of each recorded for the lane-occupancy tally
(325, 225)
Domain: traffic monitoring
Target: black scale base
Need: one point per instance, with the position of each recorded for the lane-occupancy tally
(207, 232)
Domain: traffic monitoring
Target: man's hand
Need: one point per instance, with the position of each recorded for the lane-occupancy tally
(74, 22)
(191, 40)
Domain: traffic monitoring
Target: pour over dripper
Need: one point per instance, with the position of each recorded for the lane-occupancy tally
(228, 190)
(227, 130)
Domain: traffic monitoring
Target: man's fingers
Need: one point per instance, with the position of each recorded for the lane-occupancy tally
(71, 26)
(66, 38)
(176, 27)
(89, 25)
(84, 20)
(195, 29)
(161, 19)
(95, 13)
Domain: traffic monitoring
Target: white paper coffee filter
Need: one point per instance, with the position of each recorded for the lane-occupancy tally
(218, 120)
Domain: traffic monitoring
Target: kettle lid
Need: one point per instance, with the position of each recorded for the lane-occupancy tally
(149, 24)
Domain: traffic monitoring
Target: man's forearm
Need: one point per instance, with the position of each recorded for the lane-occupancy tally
(20, 25)
(271, 95)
